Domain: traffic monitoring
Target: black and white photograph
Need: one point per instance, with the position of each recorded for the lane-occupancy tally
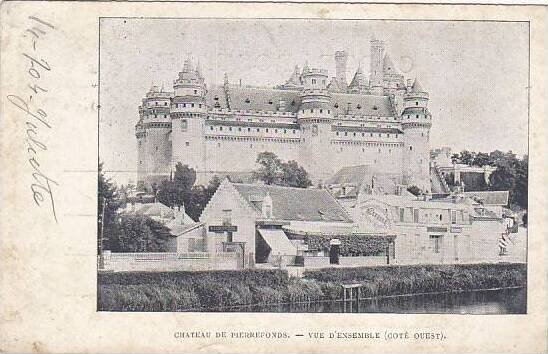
(313, 166)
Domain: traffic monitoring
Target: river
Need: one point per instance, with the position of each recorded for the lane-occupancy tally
(485, 302)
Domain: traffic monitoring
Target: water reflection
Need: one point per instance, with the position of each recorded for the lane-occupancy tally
(505, 301)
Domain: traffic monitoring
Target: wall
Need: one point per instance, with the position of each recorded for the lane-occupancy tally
(124, 262)
(360, 261)
(227, 198)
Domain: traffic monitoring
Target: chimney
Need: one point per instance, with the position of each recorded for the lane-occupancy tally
(281, 105)
(267, 207)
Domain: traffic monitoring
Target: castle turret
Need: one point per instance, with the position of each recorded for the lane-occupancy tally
(341, 58)
(154, 138)
(376, 69)
(416, 122)
(315, 118)
(188, 109)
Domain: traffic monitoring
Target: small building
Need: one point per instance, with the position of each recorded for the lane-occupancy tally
(253, 218)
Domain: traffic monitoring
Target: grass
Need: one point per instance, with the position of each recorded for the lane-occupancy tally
(184, 291)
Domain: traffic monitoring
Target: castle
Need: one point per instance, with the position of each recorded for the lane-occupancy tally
(323, 123)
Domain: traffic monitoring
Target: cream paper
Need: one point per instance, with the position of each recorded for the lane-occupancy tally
(48, 218)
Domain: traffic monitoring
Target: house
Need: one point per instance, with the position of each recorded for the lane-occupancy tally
(255, 219)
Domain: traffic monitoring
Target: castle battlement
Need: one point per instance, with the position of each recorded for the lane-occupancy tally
(322, 125)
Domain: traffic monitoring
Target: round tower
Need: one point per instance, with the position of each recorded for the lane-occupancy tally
(154, 138)
(315, 119)
(416, 121)
(188, 109)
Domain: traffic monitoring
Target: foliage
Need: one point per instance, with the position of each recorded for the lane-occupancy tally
(208, 290)
(511, 173)
(138, 233)
(180, 190)
(351, 245)
(107, 197)
(414, 190)
(272, 170)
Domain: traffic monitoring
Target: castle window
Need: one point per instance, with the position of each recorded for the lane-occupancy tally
(267, 130)
(285, 131)
(313, 81)
(410, 148)
(184, 125)
(363, 150)
(240, 129)
(328, 111)
(359, 106)
(195, 91)
(388, 135)
(192, 105)
(221, 128)
(247, 100)
(293, 131)
(275, 130)
(375, 108)
(258, 130)
(216, 98)
(155, 116)
(422, 134)
(417, 116)
(200, 105)
(165, 103)
(156, 103)
(336, 105)
(218, 144)
(379, 151)
(140, 162)
(311, 110)
(156, 148)
(184, 104)
(211, 128)
(354, 134)
(371, 135)
(230, 128)
(345, 133)
(269, 102)
(292, 103)
(337, 133)
(187, 143)
(363, 134)
(321, 110)
(323, 81)
(416, 103)
(380, 135)
(248, 129)
(396, 135)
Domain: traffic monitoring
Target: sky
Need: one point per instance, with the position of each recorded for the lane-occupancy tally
(475, 72)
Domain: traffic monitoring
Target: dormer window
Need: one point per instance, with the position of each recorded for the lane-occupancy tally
(359, 106)
(416, 103)
(336, 105)
(375, 108)
(269, 102)
(216, 98)
(247, 100)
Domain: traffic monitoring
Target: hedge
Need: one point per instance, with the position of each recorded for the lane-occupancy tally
(351, 245)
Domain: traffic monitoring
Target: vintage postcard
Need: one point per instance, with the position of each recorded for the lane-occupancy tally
(272, 177)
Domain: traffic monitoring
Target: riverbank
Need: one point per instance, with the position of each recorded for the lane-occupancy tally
(199, 291)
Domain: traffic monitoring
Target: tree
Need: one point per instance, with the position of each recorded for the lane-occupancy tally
(176, 191)
(272, 170)
(138, 233)
(107, 206)
(294, 175)
(481, 159)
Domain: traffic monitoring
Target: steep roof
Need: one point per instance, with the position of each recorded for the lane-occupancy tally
(152, 209)
(254, 99)
(295, 203)
(351, 175)
(417, 87)
(361, 104)
(267, 99)
(359, 80)
(490, 197)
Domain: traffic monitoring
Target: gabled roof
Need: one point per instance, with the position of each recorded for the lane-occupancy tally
(490, 197)
(151, 209)
(353, 175)
(294, 203)
(359, 80)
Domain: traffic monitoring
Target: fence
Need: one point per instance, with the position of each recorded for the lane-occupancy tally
(167, 261)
